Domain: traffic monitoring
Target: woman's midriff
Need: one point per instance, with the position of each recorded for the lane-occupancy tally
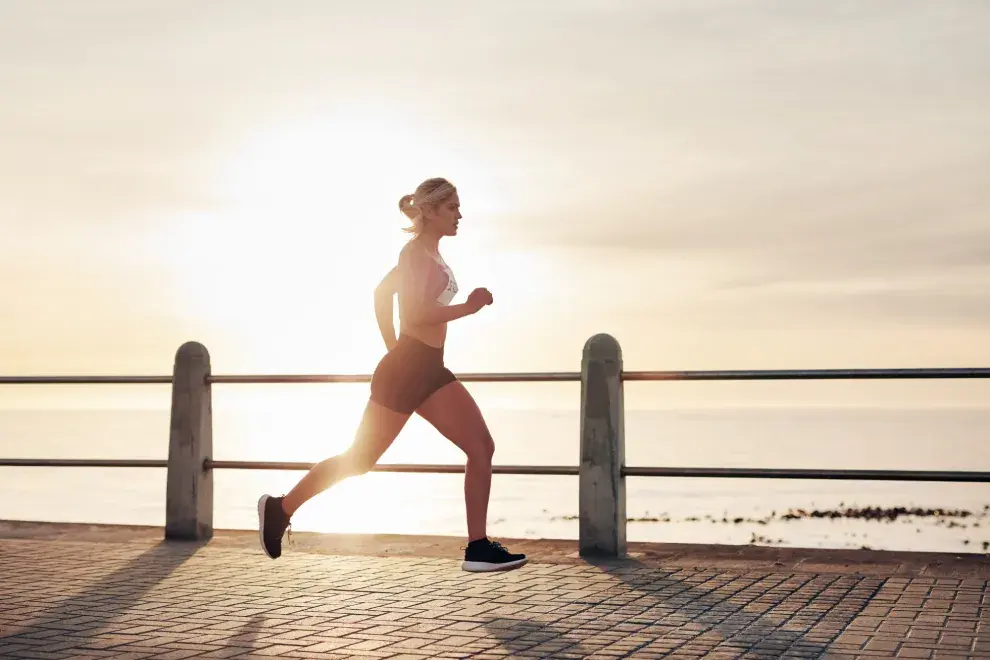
(434, 335)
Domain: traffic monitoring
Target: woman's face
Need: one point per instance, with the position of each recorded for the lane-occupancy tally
(443, 217)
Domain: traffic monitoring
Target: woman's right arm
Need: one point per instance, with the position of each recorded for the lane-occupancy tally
(383, 307)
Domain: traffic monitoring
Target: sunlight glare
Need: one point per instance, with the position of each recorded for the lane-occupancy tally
(306, 226)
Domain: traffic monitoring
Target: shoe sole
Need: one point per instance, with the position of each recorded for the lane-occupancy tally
(486, 567)
(261, 524)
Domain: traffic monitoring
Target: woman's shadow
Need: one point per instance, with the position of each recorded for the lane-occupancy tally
(765, 613)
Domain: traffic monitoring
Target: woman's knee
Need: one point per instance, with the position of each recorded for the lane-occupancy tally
(482, 449)
(357, 462)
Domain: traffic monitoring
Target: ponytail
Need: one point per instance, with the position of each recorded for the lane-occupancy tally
(410, 210)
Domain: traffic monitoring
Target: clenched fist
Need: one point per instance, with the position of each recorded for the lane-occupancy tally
(478, 299)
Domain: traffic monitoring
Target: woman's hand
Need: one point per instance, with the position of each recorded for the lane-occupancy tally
(478, 299)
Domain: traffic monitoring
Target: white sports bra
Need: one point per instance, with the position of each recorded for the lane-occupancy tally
(450, 291)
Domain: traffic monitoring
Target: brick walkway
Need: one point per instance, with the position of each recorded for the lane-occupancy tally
(72, 596)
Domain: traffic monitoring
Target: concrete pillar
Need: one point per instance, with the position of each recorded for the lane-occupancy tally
(602, 531)
(189, 491)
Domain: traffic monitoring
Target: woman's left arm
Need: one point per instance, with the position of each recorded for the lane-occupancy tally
(387, 288)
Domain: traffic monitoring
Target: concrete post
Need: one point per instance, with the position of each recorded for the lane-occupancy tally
(189, 490)
(602, 506)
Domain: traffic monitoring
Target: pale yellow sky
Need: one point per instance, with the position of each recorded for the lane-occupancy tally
(719, 184)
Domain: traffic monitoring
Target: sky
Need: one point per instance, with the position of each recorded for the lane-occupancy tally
(718, 184)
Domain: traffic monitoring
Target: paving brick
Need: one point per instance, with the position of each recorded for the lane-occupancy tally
(914, 652)
(71, 599)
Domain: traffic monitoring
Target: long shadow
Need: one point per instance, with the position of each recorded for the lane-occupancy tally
(760, 614)
(107, 599)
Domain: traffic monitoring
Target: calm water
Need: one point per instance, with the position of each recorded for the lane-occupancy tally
(687, 510)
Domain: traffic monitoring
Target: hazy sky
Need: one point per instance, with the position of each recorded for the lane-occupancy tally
(719, 184)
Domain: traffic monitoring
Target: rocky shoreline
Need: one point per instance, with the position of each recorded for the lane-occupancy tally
(951, 518)
(879, 514)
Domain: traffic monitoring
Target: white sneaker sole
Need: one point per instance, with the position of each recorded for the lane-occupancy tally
(261, 524)
(486, 567)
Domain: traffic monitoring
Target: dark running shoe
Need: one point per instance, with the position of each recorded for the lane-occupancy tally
(272, 523)
(485, 555)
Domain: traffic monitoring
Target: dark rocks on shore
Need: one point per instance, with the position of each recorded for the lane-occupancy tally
(763, 540)
(947, 517)
(878, 514)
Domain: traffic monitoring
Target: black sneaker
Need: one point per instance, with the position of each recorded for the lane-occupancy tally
(485, 555)
(272, 523)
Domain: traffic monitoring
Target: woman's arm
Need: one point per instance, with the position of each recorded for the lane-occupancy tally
(387, 288)
(419, 292)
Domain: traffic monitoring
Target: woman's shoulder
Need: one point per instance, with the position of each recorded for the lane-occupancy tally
(409, 248)
(413, 253)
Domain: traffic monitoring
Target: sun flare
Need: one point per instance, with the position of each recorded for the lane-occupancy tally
(306, 225)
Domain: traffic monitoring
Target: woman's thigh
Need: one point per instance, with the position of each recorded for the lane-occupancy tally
(378, 429)
(455, 414)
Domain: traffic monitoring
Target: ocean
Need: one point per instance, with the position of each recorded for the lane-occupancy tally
(732, 511)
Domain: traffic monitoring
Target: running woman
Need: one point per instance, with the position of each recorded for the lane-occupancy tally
(412, 378)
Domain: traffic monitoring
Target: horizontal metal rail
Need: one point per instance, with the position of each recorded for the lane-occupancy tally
(85, 380)
(517, 377)
(557, 470)
(535, 377)
(84, 462)
(809, 374)
(634, 471)
(542, 470)
(210, 464)
(787, 473)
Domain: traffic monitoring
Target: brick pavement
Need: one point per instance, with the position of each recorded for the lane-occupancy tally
(138, 597)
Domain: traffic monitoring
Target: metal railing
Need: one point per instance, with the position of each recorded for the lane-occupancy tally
(537, 377)
(537, 470)
(534, 377)
(601, 381)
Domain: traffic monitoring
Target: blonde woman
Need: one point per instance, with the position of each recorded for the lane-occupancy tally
(412, 378)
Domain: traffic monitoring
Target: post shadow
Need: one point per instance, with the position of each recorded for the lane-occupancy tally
(91, 611)
(665, 603)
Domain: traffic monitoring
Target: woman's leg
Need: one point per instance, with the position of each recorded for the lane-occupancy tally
(378, 429)
(455, 414)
